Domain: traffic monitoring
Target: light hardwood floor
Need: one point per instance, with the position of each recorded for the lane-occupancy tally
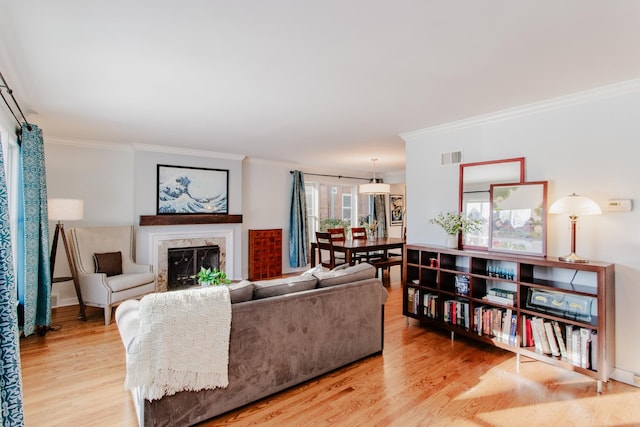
(74, 377)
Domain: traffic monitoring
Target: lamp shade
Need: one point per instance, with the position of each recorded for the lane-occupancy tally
(575, 205)
(374, 188)
(65, 209)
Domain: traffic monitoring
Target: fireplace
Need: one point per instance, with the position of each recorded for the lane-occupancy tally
(183, 263)
(160, 241)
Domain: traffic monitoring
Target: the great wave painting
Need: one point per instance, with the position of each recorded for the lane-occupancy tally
(186, 190)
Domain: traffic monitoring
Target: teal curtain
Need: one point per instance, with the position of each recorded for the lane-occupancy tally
(298, 232)
(34, 276)
(380, 213)
(10, 379)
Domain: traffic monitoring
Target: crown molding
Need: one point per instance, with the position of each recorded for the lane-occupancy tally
(116, 146)
(617, 89)
(113, 146)
(187, 151)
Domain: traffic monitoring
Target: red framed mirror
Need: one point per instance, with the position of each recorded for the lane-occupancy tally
(474, 197)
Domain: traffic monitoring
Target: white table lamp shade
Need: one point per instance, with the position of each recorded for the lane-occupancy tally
(575, 205)
(65, 209)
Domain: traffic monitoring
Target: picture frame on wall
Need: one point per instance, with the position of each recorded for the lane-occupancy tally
(396, 209)
(519, 218)
(192, 190)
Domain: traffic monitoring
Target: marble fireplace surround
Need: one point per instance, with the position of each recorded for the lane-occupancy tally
(160, 242)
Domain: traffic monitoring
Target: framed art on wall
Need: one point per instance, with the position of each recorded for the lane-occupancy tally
(396, 208)
(192, 190)
(519, 218)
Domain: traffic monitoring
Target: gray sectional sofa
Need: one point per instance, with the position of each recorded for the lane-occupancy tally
(283, 333)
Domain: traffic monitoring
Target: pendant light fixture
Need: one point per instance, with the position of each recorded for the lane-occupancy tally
(374, 187)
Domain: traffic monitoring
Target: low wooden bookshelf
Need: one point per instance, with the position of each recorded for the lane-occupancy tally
(496, 298)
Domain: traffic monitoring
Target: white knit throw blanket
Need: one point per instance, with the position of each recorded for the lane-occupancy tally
(182, 342)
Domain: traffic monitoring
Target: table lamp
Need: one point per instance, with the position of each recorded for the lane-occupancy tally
(65, 210)
(574, 206)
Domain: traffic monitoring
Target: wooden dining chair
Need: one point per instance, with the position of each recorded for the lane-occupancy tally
(338, 235)
(358, 233)
(325, 247)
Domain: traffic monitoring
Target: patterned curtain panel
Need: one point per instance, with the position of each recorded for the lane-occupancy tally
(34, 277)
(298, 239)
(10, 379)
(380, 213)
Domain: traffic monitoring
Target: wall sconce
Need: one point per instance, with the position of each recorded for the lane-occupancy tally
(574, 206)
(374, 187)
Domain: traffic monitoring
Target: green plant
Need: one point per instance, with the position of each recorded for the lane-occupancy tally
(209, 277)
(453, 223)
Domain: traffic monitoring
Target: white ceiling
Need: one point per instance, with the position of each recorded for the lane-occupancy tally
(322, 83)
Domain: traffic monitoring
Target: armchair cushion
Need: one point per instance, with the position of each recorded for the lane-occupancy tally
(126, 281)
(109, 263)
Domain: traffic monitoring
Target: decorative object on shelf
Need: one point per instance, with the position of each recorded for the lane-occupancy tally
(209, 277)
(186, 190)
(374, 187)
(65, 210)
(518, 218)
(453, 223)
(575, 206)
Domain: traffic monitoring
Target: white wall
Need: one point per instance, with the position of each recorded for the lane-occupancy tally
(587, 144)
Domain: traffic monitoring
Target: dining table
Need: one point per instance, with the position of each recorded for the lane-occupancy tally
(351, 247)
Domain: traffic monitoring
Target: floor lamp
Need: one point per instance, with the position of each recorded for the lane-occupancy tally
(66, 210)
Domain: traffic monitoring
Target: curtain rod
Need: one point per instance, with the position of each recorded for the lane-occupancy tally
(335, 176)
(10, 92)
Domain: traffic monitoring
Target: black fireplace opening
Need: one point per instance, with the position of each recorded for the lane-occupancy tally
(183, 263)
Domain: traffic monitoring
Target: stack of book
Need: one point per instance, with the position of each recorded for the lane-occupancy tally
(501, 296)
(499, 323)
(430, 305)
(574, 344)
(456, 312)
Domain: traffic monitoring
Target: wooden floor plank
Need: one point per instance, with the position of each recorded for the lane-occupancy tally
(74, 376)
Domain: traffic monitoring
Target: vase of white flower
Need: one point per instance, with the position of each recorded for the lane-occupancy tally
(454, 223)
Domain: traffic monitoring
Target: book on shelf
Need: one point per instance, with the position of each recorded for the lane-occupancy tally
(513, 332)
(585, 339)
(537, 341)
(416, 302)
(558, 332)
(594, 350)
(551, 337)
(506, 325)
(527, 332)
(575, 346)
(541, 336)
(496, 322)
(429, 304)
(568, 333)
(411, 297)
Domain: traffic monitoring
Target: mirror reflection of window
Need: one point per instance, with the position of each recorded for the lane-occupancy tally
(475, 182)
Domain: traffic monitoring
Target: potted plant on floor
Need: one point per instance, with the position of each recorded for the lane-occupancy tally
(209, 277)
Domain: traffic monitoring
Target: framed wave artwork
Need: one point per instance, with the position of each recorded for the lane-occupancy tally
(190, 190)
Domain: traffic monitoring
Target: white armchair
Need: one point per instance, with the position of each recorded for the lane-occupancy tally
(100, 289)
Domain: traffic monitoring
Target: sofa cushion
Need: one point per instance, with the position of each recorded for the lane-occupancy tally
(286, 285)
(345, 274)
(241, 291)
(109, 263)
